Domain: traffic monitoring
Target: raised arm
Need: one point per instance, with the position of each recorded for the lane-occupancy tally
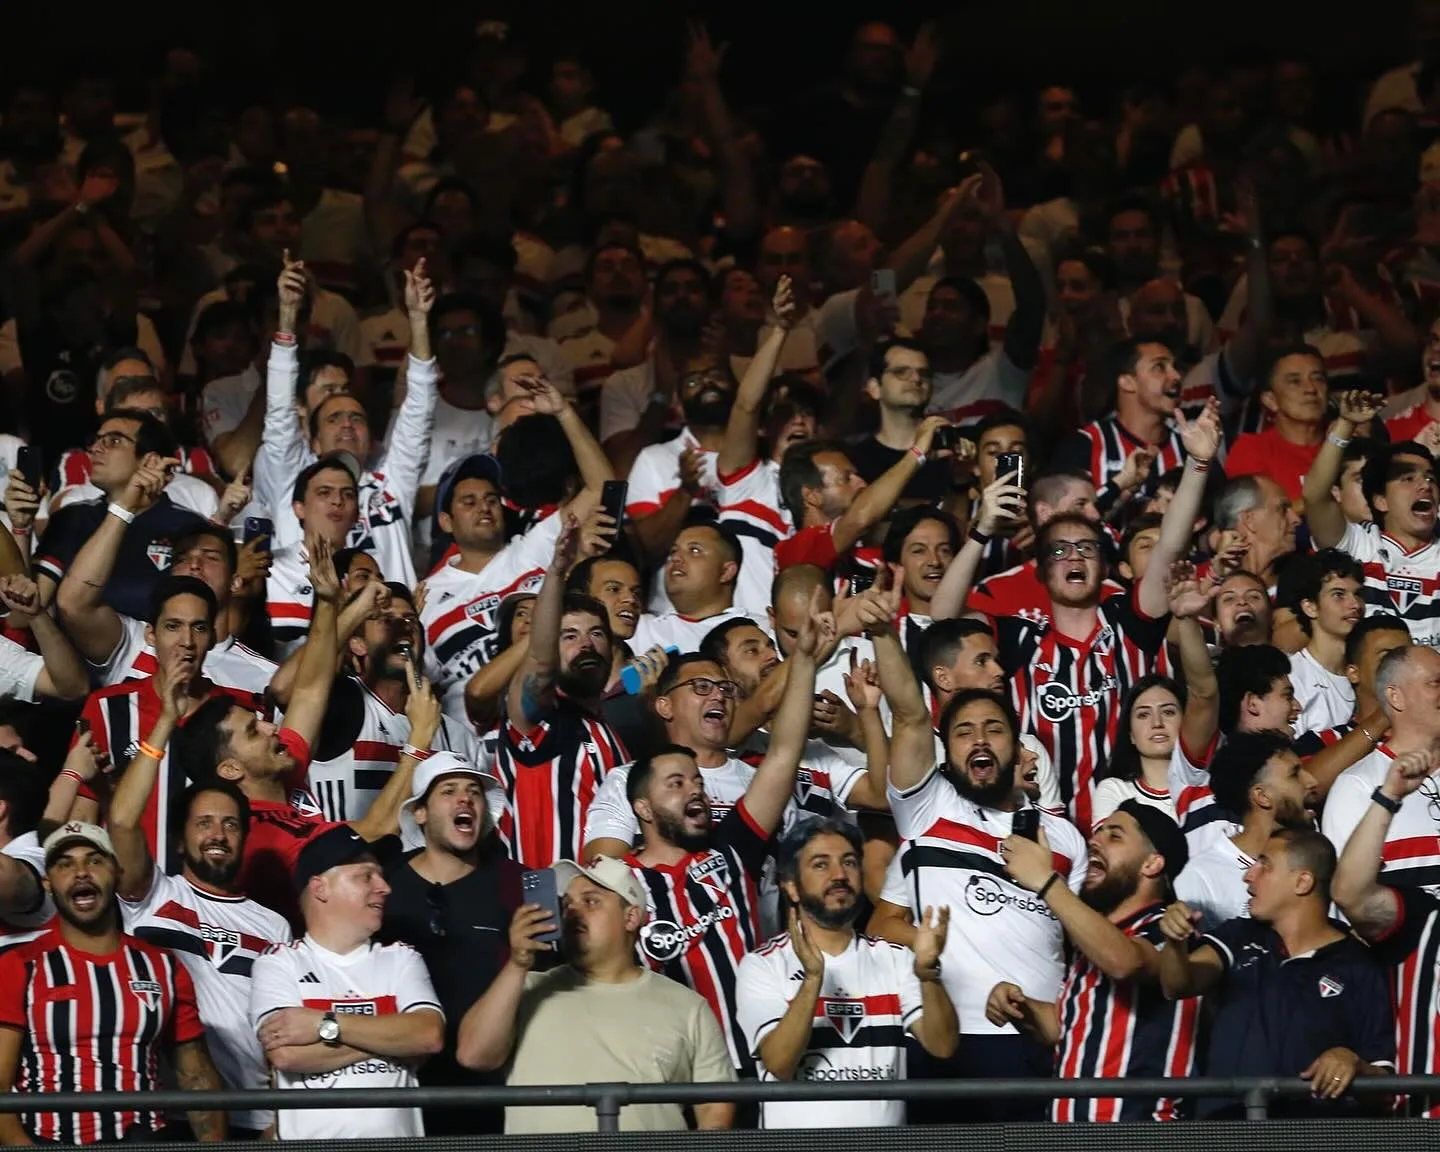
(590, 458)
(281, 456)
(1185, 972)
(774, 782)
(408, 448)
(743, 428)
(876, 500)
(422, 710)
(1002, 502)
(94, 626)
(315, 672)
(1322, 511)
(531, 693)
(737, 190)
(1201, 438)
(862, 685)
(62, 674)
(487, 1032)
(137, 784)
(912, 733)
(1371, 907)
(1189, 600)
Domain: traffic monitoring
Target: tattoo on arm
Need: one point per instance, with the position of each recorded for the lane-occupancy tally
(536, 697)
(195, 1073)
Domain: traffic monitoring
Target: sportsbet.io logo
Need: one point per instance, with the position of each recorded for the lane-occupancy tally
(664, 940)
(985, 896)
(1057, 701)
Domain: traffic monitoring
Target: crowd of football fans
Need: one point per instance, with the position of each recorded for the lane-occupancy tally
(863, 590)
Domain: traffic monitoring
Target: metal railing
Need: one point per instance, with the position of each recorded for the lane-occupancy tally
(608, 1099)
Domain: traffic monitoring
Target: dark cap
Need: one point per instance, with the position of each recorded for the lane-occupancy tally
(1163, 833)
(330, 849)
(477, 466)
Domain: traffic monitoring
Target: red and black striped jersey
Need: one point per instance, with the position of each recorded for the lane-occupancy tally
(551, 774)
(93, 1023)
(120, 717)
(1115, 1029)
(1069, 692)
(705, 917)
(1412, 949)
(1099, 450)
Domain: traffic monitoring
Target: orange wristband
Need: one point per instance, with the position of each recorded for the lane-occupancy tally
(151, 751)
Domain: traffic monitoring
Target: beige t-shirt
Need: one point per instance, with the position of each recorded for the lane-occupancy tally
(647, 1031)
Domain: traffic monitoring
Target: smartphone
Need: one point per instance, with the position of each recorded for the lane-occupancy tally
(882, 283)
(612, 500)
(1026, 823)
(862, 580)
(27, 463)
(538, 887)
(1011, 464)
(256, 527)
(947, 437)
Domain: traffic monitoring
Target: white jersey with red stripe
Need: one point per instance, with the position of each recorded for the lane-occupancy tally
(750, 504)
(684, 633)
(611, 817)
(1400, 583)
(869, 998)
(462, 608)
(992, 384)
(228, 663)
(360, 745)
(1411, 854)
(653, 479)
(218, 938)
(373, 980)
(289, 599)
(950, 856)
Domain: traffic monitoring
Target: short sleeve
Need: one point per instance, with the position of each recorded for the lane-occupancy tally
(161, 886)
(813, 545)
(19, 671)
(749, 840)
(620, 405)
(118, 664)
(12, 991)
(648, 489)
(918, 807)
(895, 890)
(413, 987)
(1227, 938)
(272, 986)
(761, 999)
(709, 1058)
(186, 1019)
(223, 404)
(610, 816)
(1345, 807)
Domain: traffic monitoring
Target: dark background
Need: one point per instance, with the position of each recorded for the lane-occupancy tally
(337, 55)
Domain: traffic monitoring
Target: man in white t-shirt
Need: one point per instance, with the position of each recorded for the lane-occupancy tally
(25, 905)
(1328, 595)
(335, 1009)
(1407, 684)
(700, 576)
(856, 997)
(1257, 776)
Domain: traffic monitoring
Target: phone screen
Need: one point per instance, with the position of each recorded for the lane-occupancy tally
(1011, 464)
(882, 283)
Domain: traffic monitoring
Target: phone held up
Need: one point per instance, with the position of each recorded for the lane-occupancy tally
(538, 887)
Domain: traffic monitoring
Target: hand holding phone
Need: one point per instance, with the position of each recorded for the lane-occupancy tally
(1011, 464)
(612, 501)
(1026, 823)
(257, 527)
(538, 887)
(882, 284)
(27, 463)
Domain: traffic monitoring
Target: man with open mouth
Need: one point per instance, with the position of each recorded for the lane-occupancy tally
(1398, 550)
(1113, 924)
(84, 1005)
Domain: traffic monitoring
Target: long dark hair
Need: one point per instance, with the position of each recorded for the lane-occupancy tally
(1125, 759)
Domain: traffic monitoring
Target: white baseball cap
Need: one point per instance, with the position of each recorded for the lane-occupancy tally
(605, 871)
(77, 832)
(430, 770)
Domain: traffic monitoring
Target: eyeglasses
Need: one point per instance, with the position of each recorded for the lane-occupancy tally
(704, 686)
(108, 440)
(1064, 549)
(435, 899)
(1431, 791)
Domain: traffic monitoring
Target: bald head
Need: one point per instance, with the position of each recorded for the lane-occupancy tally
(790, 595)
(785, 251)
(1407, 685)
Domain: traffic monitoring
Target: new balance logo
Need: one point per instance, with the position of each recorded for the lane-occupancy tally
(310, 978)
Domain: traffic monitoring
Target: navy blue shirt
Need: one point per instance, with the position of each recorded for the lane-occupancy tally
(145, 552)
(1276, 1013)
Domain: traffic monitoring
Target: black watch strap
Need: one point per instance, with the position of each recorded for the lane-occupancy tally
(1391, 806)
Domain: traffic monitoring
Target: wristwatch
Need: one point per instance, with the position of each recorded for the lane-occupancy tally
(329, 1029)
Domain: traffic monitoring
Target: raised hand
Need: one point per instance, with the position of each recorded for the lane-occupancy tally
(1001, 503)
(419, 291)
(1359, 406)
(567, 546)
(862, 684)
(812, 960)
(147, 482)
(931, 930)
(597, 534)
(702, 59)
(529, 922)
(1408, 773)
(1029, 862)
(1201, 436)
(253, 562)
(783, 303)
(1189, 595)
(921, 56)
(818, 629)
(172, 684)
(322, 569)
(84, 758)
(545, 398)
(292, 284)
(1229, 554)
(422, 708)
(986, 193)
(22, 501)
(1179, 922)
(234, 498)
(1137, 468)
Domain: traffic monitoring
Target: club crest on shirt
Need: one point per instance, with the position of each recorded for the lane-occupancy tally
(160, 552)
(1404, 591)
(1330, 987)
(711, 873)
(356, 1008)
(148, 991)
(845, 1016)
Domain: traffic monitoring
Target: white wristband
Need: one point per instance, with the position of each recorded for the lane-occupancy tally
(121, 513)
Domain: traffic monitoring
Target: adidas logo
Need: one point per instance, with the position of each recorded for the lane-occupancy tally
(310, 978)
